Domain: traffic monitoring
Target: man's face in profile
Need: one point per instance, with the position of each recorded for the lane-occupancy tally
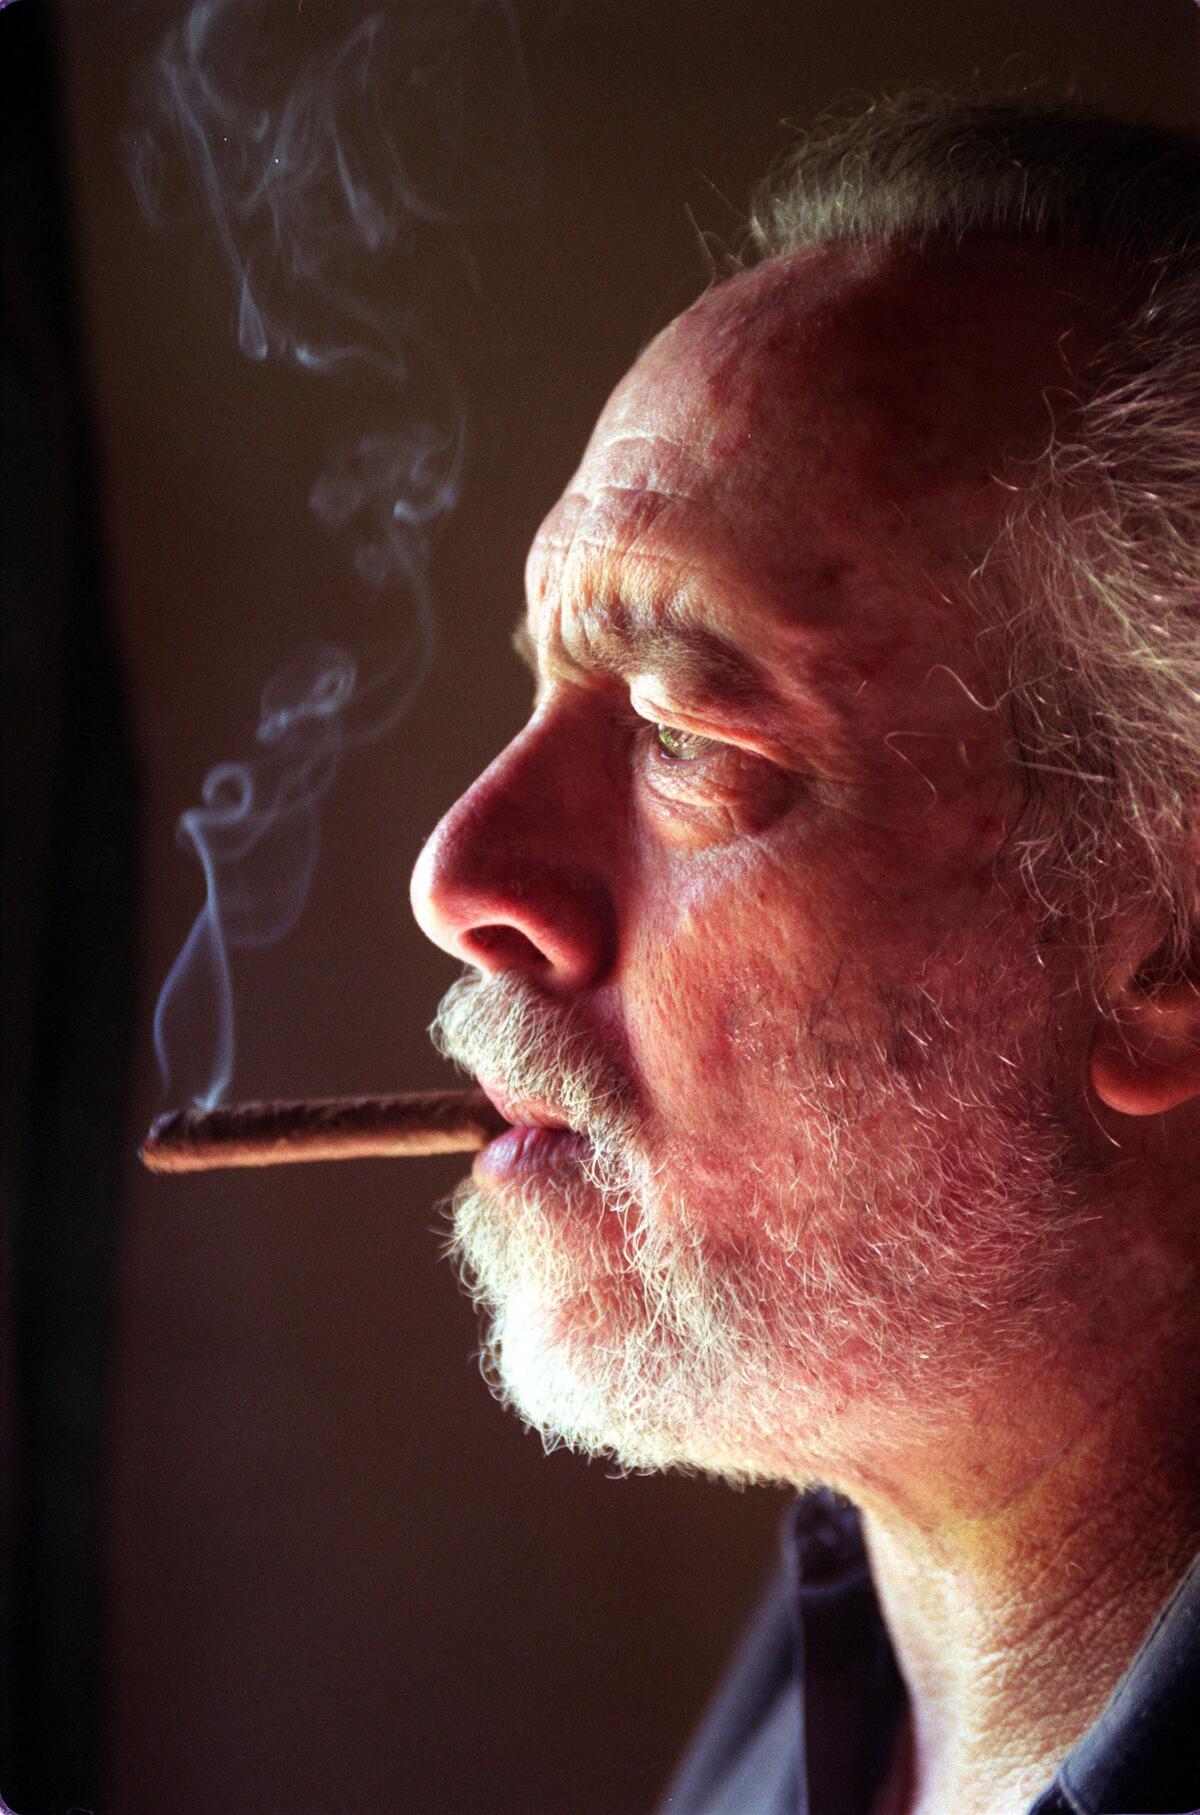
(739, 901)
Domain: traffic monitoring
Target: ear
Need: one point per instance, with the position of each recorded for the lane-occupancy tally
(1145, 1058)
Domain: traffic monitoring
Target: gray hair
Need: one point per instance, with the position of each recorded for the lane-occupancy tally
(1097, 569)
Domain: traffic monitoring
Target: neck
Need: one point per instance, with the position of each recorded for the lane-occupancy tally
(1020, 1555)
(1012, 1627)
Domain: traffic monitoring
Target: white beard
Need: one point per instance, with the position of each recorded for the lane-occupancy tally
(870, 1282)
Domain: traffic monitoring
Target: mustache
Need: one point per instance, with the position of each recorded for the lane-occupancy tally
(503, 1027)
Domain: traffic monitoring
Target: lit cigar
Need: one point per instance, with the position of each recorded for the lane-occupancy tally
(330, 1128)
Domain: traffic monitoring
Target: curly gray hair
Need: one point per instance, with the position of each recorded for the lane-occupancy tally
(1097, 570)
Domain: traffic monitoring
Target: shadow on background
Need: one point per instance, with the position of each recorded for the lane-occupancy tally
(67, 925)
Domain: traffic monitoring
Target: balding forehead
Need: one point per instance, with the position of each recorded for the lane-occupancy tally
(730, 352)
(774, 305)
(956, 355)
(826, 428)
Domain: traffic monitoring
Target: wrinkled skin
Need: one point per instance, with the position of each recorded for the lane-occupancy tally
(804, 889)
(801, 470)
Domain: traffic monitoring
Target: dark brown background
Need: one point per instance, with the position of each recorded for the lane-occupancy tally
(340, 1579)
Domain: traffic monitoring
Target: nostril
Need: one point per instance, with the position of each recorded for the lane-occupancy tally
(506, 948)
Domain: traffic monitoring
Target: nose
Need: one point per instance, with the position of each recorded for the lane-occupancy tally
(517, 876)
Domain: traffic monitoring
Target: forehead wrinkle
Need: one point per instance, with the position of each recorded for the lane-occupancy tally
(648, 474)
(697, 670)
(622, 535)
(631, 522)
(652, 631)
(617, 596)
(674, 649)
(597, 632)
(621, 611)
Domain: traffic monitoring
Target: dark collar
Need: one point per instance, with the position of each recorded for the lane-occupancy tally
(852, 1698)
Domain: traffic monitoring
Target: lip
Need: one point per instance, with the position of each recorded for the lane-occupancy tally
(522, 1112)
(538, 1142)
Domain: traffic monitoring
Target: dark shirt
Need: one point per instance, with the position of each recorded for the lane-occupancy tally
(806, 1719)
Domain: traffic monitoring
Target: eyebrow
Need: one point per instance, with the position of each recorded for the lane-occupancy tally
(687, 657)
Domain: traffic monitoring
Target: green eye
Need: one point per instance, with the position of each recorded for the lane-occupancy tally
(680, 746)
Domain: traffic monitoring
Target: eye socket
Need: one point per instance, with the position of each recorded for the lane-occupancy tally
(702, 788)
(680, 746)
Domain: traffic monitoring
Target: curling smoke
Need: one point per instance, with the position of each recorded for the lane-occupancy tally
(336, 178)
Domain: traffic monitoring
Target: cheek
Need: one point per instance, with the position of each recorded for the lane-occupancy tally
(736, 959)
(710, 980)
(923, 841)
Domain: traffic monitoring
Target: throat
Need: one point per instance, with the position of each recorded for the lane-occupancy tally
(1012, 1629)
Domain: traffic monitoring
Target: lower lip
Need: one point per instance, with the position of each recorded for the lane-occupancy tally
(525, 1152)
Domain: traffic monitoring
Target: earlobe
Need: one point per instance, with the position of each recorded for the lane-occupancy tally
(1148, 1060)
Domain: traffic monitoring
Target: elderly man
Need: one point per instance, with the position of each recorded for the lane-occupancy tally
(834, 951)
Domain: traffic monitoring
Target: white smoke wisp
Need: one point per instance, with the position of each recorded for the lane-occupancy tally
(256, 834)
(335, 175)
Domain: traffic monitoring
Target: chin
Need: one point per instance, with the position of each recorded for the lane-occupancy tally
(616, 1346)
(569, 1386)
(623, 1331)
